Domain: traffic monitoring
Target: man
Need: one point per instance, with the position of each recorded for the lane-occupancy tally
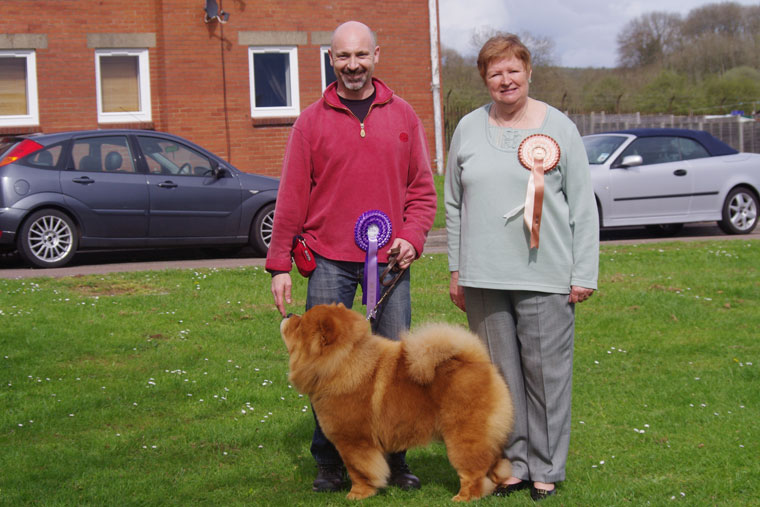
(358, 148)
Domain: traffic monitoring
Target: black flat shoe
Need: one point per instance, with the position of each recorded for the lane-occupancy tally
(540, 494)
(508, 489)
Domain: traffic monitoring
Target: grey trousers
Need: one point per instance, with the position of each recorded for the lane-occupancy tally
(529, 336)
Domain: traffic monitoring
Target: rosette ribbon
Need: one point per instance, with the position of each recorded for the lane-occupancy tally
(371, 232)
(539, 154)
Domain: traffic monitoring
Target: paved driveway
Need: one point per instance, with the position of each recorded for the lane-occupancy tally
(88, 263)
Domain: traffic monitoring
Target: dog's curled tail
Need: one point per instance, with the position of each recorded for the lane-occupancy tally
(430, 345)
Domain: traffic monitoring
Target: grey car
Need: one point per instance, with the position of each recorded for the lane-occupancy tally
(68, 191)
(663, 178)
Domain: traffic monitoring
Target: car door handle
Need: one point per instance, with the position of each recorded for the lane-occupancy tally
(167, 184)
(84, 180)
(680, 172)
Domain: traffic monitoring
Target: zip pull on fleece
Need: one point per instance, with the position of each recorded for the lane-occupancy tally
(362, 132)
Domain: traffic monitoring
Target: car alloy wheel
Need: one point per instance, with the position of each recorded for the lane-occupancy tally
(261, 230)
(739, 212)
(48, 239)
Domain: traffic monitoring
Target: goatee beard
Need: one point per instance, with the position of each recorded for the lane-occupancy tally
(353, 85)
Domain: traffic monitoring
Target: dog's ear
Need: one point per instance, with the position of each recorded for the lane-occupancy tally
(341, 305)
(328, 329)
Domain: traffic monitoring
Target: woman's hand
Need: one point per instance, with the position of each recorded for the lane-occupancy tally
(455, 291)
(579, 294)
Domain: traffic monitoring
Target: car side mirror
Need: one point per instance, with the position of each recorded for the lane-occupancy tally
(631, 161)
(216, 171)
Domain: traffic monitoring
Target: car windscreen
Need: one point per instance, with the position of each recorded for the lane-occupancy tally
(600, 148)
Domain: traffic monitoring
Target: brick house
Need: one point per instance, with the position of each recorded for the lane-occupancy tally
(234, 87)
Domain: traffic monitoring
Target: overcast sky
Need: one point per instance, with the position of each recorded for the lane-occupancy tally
(584, 31)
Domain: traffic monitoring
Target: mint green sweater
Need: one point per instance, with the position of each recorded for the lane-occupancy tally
(485, 181)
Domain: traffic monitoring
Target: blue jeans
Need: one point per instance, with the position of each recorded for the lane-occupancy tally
(337, 282)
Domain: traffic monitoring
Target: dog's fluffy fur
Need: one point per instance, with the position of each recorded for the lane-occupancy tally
(374, 396)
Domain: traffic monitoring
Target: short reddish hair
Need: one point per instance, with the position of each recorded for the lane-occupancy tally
(499, 47)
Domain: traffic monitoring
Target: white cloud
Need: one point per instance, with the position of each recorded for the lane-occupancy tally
(584, 31)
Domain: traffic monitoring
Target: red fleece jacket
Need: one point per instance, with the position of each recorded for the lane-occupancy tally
(336, 168)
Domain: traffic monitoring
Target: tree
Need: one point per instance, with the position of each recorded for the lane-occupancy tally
(669, 92)
(541, 48)
(737, 89)
(721, 18)
(648, 39)
(604, 94)
(711, 53)
(718, 37)
(461, 81)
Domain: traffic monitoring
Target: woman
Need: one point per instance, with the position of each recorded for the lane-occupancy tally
(503, 194)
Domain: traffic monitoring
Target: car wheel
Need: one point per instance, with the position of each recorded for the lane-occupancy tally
(261, 230)
(665, 229)
(739, 212)
(48, 239)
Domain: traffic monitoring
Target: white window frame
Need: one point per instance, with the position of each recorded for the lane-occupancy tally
(144, 113)
(32, 118)
(322, 52)
(276, 112)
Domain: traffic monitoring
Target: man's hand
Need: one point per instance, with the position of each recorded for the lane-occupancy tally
(407, 254)
(281, 286)
(579, 294)
(455, 291)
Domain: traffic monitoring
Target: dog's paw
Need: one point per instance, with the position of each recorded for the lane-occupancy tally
(360, 493)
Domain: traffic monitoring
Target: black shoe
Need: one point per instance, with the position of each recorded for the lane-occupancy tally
(330, 478)
(508, 489)
(401, 476)
(540, 494)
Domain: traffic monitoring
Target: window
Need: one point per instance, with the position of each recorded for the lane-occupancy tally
(18, 88)
(167, 157)
(690, 149)
(273, 74)
(102, 154)
(45, 159)
(654, 150)
(328, 75)
(600, 148)
(123, 85)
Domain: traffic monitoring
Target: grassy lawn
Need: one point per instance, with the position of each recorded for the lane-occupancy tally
(171, 387)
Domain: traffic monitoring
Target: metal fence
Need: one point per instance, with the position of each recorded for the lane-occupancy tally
(740, 133)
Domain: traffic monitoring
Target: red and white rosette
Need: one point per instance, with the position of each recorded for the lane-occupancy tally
(539, 154)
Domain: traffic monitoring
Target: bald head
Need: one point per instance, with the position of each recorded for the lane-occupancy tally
(353, 55)
(353, 30)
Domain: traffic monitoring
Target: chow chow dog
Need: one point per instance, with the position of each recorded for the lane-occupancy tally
(375, 396)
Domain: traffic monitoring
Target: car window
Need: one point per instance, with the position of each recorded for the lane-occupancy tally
(102, 154)
(691, 149)
(599, 148)
(164, 156)
(654, 150)
(45, 159)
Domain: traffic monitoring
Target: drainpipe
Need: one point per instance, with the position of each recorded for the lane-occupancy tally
(436, 84)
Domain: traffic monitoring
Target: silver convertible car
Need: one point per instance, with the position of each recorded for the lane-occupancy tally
(67, 191)
(663, 178)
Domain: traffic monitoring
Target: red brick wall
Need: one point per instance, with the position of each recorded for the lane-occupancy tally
(199, 72)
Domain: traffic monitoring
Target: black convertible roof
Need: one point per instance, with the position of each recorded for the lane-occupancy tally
(714, 146)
